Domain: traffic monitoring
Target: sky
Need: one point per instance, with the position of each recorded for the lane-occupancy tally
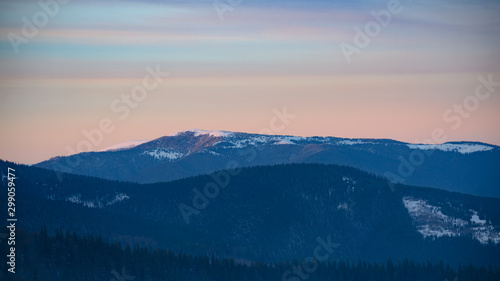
(355, 69)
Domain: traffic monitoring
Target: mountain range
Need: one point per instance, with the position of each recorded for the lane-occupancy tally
(466, 167)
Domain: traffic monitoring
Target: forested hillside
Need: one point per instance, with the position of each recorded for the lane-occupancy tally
(67, 257)
(268, 214)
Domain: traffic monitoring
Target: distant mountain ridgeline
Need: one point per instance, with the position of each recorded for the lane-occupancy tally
(269, 214)
(465, 167)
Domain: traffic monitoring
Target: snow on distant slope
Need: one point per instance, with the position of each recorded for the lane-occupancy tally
(431, 222)
(125, 145)
(199, 132)
(213, 133)
(161, 154)
(461, 148)
(286, 140)
(350, 142)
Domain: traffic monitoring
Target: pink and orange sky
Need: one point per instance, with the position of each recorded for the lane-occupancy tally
(229, 71)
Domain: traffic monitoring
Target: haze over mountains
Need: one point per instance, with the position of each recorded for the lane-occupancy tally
(466, 167)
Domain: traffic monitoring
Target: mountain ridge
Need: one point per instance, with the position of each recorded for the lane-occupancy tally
(222, 133)
(466, 167)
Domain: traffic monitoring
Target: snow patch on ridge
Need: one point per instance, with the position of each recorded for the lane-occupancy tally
(475, 218)
(431, 222)
(244, 142)
(213, 133)
(350, 142)
(452, 147)
(235, 142)
(160, 154)
(484, 234)
(286, 140)
(98, 203)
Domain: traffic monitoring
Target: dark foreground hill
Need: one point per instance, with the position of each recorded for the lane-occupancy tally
(269, 214)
